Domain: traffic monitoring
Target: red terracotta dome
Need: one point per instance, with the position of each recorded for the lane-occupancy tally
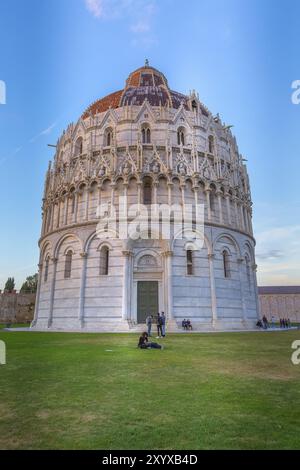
(144, 83)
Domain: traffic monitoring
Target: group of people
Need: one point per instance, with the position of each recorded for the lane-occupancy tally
(285, 323)
(186, 325)
(265, 324)
(160, 320)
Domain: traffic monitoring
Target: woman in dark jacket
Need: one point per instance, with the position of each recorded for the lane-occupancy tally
(144, 343)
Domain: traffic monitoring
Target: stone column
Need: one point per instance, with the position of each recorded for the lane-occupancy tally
(228, 209)
(219, 195)
(249, 220)
(86, 215)
(52, 291)
(84, 257)
(139, 185)
(126, 285)
(43, 222)
(52, 216)
(75, 208)
(170, 185)
(37, 299)
(207, 192)
(182, 189)
(122, 214)
(99, 197)
(155, 186)
(214, 306)
(196, 191)
(66, 210)
(240, 268)
(254, 268)
(112, 195)
(237, 223)
(242, 217)
(169, 284)
(58, 213)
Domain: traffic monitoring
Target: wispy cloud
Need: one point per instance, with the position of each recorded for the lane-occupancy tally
(271, 254)
(138, 13)
(12, 154)
(95, 7)
(42, 133)
(141, 26)
(278, 255)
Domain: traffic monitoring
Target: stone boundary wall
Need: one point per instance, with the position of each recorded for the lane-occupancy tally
(16, 307)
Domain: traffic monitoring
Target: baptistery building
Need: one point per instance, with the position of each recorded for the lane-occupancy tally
(146, 146)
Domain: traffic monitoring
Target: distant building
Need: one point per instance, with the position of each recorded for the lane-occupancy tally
(280, 301)
(149, 145)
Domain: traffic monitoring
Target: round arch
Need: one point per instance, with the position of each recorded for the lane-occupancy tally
(63, 238)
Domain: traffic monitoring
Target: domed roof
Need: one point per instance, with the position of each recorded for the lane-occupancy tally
(144, 83)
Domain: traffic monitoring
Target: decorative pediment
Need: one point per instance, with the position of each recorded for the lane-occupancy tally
(155, 163)
(207, 170)
(181, 117)
(109, 119)
(102, 166)
(183, 165)
(128, 164)
(79, 130)
(146, 108)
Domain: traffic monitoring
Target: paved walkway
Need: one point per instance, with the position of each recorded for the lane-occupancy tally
(136, 332)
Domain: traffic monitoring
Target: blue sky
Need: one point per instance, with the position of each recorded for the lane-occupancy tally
(57, 56)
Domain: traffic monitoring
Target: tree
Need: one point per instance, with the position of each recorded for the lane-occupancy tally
(10, 285)
(30, 285)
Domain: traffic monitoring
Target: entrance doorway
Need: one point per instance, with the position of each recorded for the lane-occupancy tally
(147, 299)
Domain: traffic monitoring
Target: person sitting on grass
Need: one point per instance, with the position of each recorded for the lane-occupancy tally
(145, 344)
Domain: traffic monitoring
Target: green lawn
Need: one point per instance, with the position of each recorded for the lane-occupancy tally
(204, 391)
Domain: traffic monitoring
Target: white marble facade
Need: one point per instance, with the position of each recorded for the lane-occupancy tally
(146, 143)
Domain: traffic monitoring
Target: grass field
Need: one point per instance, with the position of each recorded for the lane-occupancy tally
(203, 391)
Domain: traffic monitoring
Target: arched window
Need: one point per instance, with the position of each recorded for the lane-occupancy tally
(194, 105)
(108, 138)
(180, 137)
(147, 191)
(226, 264)
(104, 261)
(211, 144)
(146, 135)
(78, 147)
(68, 264)
(189, 262)
(46, 269)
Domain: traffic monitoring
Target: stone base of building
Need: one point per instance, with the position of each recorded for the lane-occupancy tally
(124, 326)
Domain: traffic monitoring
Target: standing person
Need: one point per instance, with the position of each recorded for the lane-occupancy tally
(149, 324)
(273, 321)
(163, 325)
(159, 326)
